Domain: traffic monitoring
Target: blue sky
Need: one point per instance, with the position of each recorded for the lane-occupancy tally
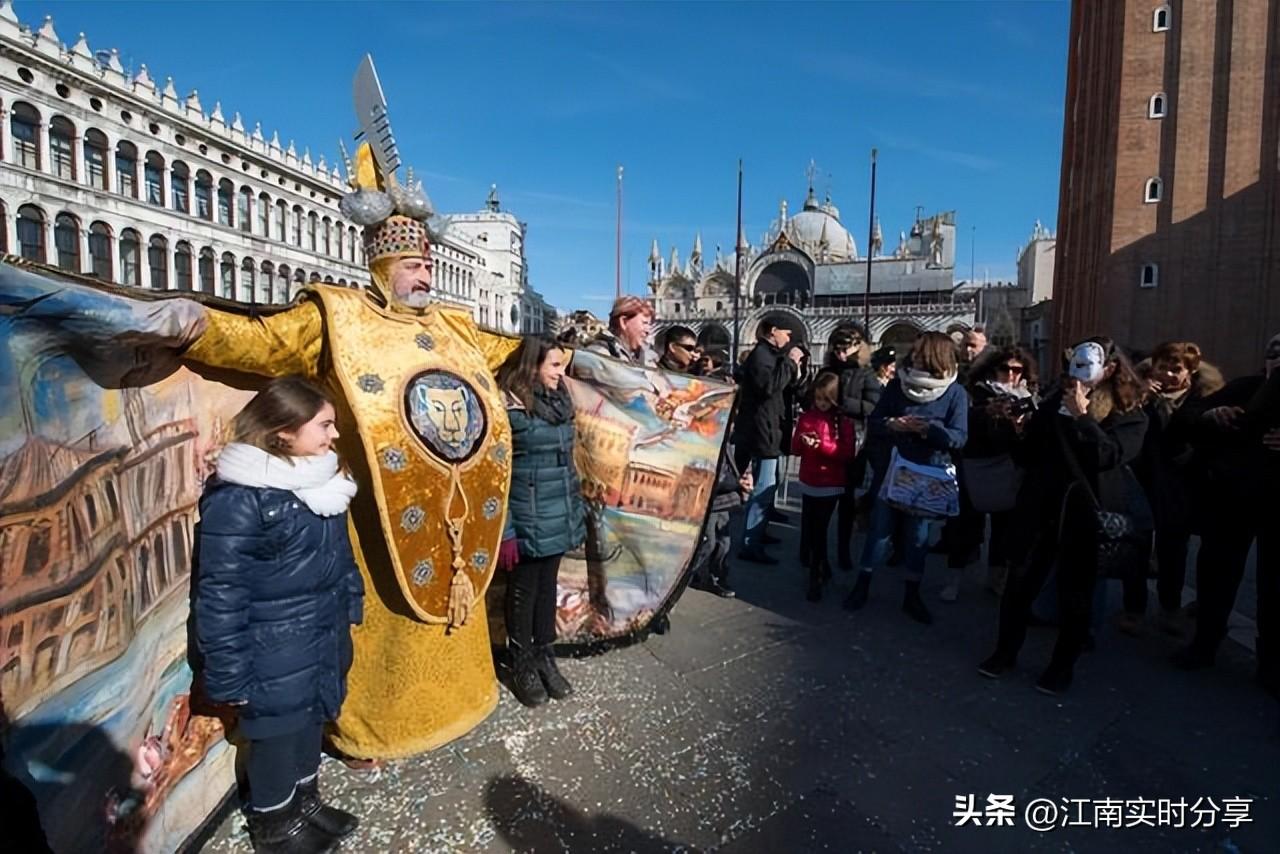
(963, 100)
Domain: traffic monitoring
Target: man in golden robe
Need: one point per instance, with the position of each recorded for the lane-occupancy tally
(425, 434)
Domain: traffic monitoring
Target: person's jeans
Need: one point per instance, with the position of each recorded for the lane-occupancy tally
(276, 765)
(914, 531)
(765, 472)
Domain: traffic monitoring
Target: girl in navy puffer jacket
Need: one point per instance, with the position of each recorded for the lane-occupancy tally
(275, 594)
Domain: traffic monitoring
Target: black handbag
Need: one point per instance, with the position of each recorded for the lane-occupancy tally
(1124, 539)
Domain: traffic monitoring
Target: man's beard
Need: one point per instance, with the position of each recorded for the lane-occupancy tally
(414, 299)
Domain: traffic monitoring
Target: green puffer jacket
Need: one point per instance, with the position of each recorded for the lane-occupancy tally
(545, 511)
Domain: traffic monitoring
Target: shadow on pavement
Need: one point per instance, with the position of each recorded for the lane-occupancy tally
(530, 819)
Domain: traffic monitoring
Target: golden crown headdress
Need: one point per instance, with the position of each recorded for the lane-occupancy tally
(395, 216)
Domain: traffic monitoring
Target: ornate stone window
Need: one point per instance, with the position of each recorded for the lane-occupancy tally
(31, 233)
(153, 177)
(228, 276)
(179, 179)
(130, 258)
(204, 195)
(66, 237)
(127, 170)
(225, 192)
(182, 265)
(206, 270)
(61, 158)
(158, 262)
(100, 251)
(24, 126)
(95, 158)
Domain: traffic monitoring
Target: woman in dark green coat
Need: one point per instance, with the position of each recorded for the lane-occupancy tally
(546, 515)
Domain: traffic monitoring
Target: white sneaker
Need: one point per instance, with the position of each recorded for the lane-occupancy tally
(951, 592)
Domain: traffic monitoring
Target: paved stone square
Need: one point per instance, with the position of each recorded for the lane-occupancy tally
(769, 723)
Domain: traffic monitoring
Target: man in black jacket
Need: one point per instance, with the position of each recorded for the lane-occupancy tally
(1239, 452)
(770, 368)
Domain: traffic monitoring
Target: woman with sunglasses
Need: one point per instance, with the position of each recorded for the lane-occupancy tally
(1001, 399)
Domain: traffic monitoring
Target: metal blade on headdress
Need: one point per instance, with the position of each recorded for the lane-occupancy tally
(371, 113)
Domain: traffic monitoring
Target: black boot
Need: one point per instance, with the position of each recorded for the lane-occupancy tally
(913, 605)
(1055, 680)
(815, 584)
(825, 570)
(286, 831)
(558, 688)
(858, 596)
(333, 821)
(997, 665)
(526, 684)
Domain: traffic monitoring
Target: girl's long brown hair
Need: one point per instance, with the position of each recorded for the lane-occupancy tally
(283, 405)
(518, 375)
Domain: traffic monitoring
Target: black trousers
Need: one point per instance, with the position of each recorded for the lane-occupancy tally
(1076, 557)
(815, 520)
(531, 602)
(277, 764)
(711, 561)
(1224, 550)
(1172, 542)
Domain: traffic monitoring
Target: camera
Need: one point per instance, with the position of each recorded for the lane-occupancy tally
(1021, 406)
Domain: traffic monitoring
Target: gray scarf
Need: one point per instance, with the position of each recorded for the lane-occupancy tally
(921, 386)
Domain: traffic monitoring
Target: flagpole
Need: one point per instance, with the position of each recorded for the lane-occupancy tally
(618, 252)
(871, 226)
(738, 249)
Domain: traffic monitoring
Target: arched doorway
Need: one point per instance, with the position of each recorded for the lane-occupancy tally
(783, 283)
(900, 336)
(714, 337)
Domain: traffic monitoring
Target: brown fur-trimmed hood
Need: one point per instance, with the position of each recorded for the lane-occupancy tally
(1205, 381)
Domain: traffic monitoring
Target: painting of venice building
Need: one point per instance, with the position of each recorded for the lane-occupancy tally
(91, 541)
(98, 499)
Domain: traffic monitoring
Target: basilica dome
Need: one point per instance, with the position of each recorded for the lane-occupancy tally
(817, 230)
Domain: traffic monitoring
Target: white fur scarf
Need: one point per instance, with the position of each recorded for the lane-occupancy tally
(923, 387)
(315, 480)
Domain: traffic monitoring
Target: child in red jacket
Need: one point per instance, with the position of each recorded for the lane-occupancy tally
(824, 440)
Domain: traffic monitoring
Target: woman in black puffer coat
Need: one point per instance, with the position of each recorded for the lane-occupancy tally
(275, 593)
(546, 515)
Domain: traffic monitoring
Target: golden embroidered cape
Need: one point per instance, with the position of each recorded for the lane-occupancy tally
(425, 434)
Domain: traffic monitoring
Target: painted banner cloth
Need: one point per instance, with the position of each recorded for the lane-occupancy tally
(647, 449)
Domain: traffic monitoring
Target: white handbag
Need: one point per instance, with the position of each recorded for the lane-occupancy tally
(920, 489)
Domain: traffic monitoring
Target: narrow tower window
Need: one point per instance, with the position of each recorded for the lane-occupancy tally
(1154, 190)
(1150, 276)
